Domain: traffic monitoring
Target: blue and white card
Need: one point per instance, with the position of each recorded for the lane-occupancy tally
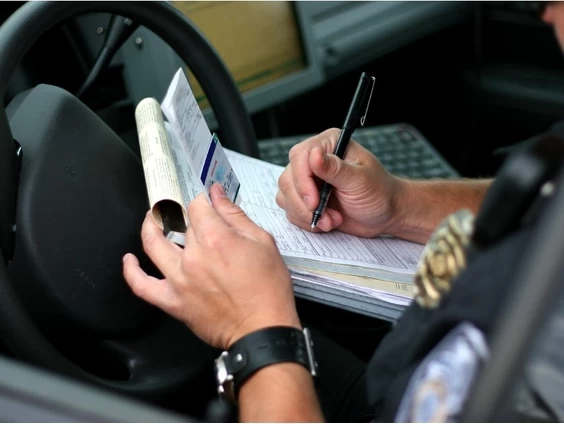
(217, 169)
(198, 155)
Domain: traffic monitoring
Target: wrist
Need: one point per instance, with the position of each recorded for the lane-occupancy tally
(262, 349)
(414, 211)
(401, 199)
(419, 206)
(283, 392)
(258, 321)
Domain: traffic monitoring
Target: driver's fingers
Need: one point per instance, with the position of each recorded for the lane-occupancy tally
(204, 219)
(289, 199)
(330, 220)
(164, 254)
(302, 174)
(301, 224)
(152, 290)
(301, 177)
(232, 213)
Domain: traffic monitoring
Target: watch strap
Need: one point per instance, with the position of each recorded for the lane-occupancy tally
(269, 346)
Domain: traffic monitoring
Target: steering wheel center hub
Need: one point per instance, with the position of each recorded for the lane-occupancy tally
(82, 199)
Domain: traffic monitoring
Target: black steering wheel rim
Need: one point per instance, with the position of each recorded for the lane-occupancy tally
(17, 35)
(32, 20)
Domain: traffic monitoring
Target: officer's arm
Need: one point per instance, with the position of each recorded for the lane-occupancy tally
(422, 205)
(279, 393)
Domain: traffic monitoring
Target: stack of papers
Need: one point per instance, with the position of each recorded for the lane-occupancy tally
(182, 158)
(369, 276)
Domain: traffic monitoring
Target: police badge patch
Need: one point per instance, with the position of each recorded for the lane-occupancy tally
(443, 258)
(441, 383)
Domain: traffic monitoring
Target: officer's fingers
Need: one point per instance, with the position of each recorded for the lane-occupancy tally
(327, 140)
(303, 177)
(231, 212)
(330, 220)
(204, 219)
(152, 290)
(164, 254)
(289, 200)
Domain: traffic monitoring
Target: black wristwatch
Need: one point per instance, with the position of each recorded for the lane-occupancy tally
(259, 349)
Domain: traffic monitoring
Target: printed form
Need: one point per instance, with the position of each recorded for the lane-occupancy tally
(186, 176)
(259, 185)
(198, 153)
(182, 111)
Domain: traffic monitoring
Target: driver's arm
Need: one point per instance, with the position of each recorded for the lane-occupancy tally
(424, 204)
(367, 200)
(280, 393)
(229, 280)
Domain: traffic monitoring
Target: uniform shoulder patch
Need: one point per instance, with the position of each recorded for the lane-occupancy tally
(441, 383)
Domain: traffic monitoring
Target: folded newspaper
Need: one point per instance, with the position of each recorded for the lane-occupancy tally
(181, 158)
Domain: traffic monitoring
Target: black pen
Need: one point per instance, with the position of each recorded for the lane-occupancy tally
(351, 121)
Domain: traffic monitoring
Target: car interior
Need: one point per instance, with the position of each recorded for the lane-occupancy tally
(456, 82)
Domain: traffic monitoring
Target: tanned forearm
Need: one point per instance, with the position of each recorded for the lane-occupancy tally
(279, 393)
(422, 205)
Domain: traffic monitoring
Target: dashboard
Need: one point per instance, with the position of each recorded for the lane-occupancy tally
(335, 36)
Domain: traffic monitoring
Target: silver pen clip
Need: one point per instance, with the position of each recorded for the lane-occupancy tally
(363, 119)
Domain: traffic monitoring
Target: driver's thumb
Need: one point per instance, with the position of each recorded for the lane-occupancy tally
(330, 168)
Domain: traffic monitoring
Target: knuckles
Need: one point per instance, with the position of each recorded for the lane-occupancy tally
(190, 261)
(279, 199)
(215, 240)
(329, 137)
(285, 182)
(332, 134)
(267, 239)
(285, 199)
(296, 149)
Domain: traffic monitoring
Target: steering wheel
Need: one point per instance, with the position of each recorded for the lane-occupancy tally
(72, 200)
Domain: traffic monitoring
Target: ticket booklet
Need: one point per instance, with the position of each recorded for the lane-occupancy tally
(181, 157)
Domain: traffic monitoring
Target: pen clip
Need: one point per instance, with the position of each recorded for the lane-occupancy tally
(363, 118)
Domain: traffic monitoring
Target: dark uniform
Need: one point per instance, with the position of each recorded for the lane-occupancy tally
(425, 368)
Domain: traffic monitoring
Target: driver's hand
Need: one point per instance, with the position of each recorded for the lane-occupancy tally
(363, 200)
(228, 281)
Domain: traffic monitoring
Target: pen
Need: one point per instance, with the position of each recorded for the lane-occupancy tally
(351, 121)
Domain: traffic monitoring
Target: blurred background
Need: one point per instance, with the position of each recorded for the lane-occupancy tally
(470, 76)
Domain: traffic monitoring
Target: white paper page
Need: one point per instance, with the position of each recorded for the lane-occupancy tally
(181, 109)
(311, 279)
(372, 272)
(395, 300)
(204, 153)
(190, 184)
(259, 184)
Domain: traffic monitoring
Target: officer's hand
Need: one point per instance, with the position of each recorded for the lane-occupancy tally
(363, 198)
(228, 281)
